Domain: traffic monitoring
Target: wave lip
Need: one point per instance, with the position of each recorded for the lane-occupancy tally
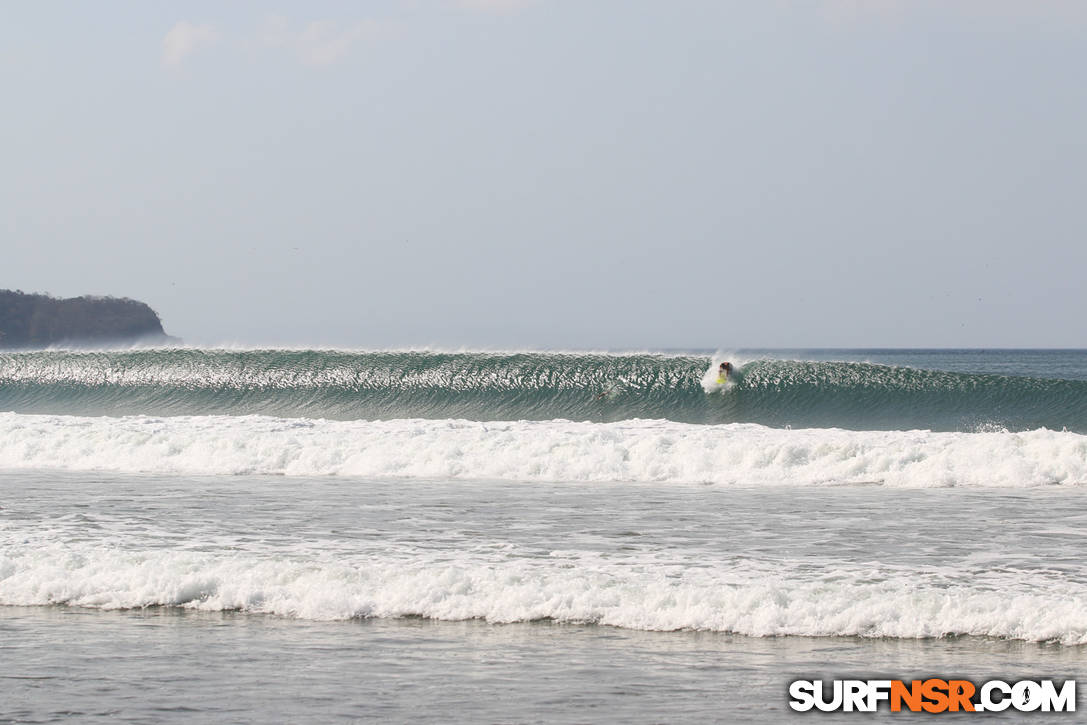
(749, 597)
(564, 451)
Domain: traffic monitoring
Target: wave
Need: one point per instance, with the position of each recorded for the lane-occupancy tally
(530, 386)
(743, 596)
(564, 451)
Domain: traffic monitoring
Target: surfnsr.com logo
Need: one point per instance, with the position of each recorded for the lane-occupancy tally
(932, 695)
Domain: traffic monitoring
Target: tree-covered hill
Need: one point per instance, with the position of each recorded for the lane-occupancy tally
(34, 320)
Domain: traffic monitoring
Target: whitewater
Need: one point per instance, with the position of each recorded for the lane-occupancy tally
(636, 451)
(830, 512)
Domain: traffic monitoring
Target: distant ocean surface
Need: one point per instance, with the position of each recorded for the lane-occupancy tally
(324, 535)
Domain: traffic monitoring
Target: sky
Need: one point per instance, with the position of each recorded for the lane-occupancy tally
(579, 174)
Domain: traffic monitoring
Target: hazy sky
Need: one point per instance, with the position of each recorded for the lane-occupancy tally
(556, 173)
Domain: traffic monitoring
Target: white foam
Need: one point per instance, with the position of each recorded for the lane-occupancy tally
(709, 377)
(746, 597)
(639, 451)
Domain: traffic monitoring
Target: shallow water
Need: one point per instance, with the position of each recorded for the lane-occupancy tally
(169, 665)
(491, 601)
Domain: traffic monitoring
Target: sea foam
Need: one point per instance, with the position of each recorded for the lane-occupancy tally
(564, 451)
(746, 597)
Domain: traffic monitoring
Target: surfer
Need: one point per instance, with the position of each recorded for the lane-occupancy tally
(723, 373)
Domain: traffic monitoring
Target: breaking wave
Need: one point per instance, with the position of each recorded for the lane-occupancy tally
(531, 386)
(744, 596)
(636, 451)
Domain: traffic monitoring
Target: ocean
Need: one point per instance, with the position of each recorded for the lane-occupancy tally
(235, 535)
